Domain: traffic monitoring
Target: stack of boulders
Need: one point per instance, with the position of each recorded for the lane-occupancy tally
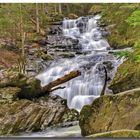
(22, 115)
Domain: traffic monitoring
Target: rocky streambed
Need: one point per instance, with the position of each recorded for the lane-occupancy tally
(79, 45)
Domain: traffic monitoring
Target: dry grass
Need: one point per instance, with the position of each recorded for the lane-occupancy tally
(8, 58)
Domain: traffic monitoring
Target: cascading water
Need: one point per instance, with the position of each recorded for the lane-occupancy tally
(85, 88)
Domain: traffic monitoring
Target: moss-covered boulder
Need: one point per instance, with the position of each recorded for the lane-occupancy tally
(126, 78)
(29, 86)
(128, 74)
(66, 55)
(111, 112)
(72, 16)
(124, 133)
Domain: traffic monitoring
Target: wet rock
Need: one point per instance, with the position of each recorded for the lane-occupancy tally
(28, 116)
(66, 55)
(61, 41)
(42, 42)
(111, 112)
(118, 133)
(55, 29)
(70, 115)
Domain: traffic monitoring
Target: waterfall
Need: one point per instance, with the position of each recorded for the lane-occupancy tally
(84, 89)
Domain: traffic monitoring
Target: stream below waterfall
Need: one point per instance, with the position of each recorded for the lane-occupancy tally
(84, 89)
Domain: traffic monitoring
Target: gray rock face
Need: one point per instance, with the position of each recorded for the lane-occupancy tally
(112, 112)
(25, 115)
(21, 115)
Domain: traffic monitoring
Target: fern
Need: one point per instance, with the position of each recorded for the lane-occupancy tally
(134, 19)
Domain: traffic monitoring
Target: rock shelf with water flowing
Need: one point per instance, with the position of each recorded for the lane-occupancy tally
(84, 89)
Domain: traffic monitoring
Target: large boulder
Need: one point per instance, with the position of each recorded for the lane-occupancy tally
(127, 76)
(30, 86)
(111, 112)
(28, 116)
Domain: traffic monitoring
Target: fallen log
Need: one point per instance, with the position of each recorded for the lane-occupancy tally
(65, 78)
(56, 88)
(29, 92)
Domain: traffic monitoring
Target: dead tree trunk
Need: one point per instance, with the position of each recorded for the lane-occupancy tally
(37, 19)
(105, 82)
(54, 85)
(60, 8)
(65, 78)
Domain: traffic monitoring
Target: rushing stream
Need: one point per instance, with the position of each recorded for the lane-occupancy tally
(85, 88)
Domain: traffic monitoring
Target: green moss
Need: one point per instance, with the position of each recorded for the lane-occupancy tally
(123, 34)
(72, 16)
(96, 8)
(43, 55)
(122, 53)
(9, 93)
(118, 133)
(46, 57)
(84, 117)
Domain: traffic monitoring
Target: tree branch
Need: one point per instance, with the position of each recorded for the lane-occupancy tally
(105, 82)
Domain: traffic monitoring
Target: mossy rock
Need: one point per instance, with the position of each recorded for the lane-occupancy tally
(70, 115)
(46, 57)
(30, 86)
(12, 78)
(111, 112)
(43, 55)
(118, 133)
(8, 94)
(55, 17)
(96, 9)
(128, 74)
(30, 116)
(72, 16)
(32, 89)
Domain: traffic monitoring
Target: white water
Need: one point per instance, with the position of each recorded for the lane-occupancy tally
(72, 131)
(85, 88)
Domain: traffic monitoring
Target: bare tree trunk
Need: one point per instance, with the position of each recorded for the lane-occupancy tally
(37, 19)
(68, 9)
(41, 30)
(55, 8)
(22, 61)
(51, 86)
(60, 8)
(105, 82)
(61, 80)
